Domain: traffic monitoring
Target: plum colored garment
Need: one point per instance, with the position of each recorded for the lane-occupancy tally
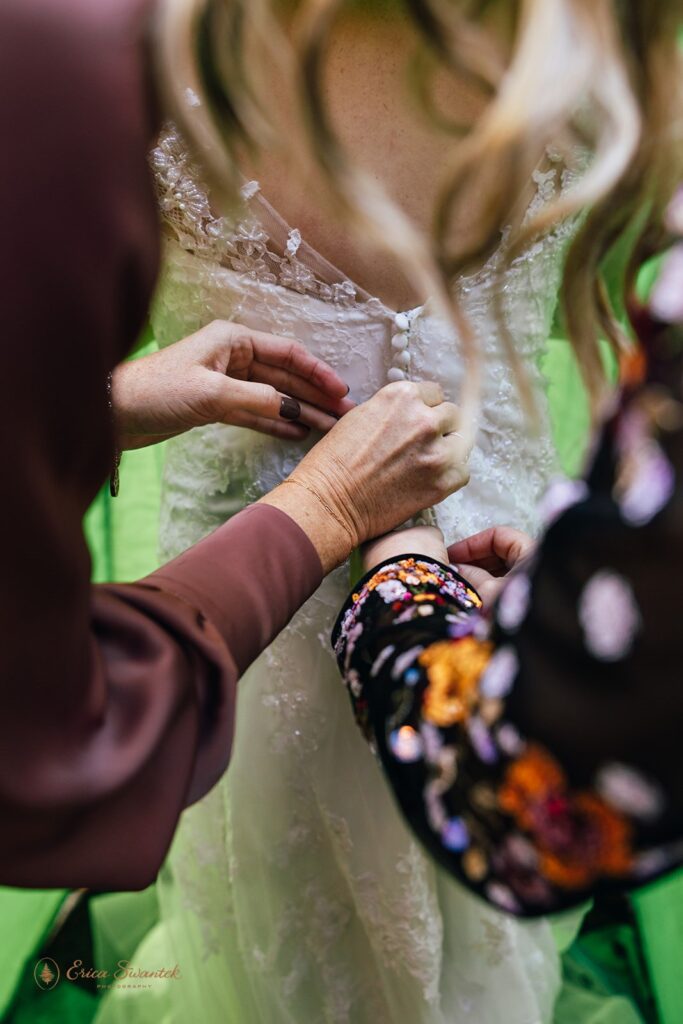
(116, 702)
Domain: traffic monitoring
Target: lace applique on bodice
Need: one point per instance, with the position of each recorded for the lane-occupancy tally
(298, 890)
(256, 243)
(256, 269)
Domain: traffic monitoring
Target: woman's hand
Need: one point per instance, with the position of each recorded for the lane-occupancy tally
(417, 540)
(226, 373)
(486, 558)
(384, 462)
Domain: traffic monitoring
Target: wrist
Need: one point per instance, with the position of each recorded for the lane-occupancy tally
(327, 533)
(426, 540)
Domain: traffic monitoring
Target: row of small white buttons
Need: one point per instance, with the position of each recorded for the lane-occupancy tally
(399, 345)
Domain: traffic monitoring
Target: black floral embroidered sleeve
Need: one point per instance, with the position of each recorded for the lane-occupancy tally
(536, 753)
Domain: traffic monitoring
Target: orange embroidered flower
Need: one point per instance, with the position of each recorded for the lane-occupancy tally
(532, 778)
(454, 668)
(380, 577)
(578, 837)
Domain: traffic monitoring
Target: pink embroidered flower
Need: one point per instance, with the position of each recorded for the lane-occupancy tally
(648, 484)
(627, 790)
(609, 616)
(514, 602)
(503, 897)
(666, 301)
(499, 675)
(560, 496)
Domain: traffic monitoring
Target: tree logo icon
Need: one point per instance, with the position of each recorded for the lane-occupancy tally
(46, 973)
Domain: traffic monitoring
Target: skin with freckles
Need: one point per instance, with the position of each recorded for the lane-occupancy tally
(375, 113)
(226, 373)
(379, 466)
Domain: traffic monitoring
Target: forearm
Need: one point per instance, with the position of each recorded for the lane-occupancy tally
(332, 540)
(489, 759)
(248, 578)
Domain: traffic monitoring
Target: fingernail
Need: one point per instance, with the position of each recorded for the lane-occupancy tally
(290, 409)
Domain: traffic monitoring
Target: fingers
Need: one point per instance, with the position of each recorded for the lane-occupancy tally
(447, 417)
(316, 418)
(267, 403)
(486, 585)
(290, 383)
(496, 549)
(274, 428)
(430, 393)
(295, 359)
(258, 399)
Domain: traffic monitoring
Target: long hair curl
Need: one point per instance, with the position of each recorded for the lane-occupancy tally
(597, 82)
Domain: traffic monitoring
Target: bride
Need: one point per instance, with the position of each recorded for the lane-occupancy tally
(294, 893)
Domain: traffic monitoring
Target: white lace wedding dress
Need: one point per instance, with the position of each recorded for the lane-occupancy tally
(294, 893)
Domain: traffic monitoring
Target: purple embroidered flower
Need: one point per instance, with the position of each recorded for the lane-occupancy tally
(653, 862)
(560, 496)
(513, 604)
(503, 897)
(651, 486)
(457, 590)
(609, 616)
(499, 675)
(434, 808)
(381, 659)
(405, 661)
(433, 742)
(481, 740)
(455, 835)
(509, 740)
(516, 861)
(458, 627)
(352, 636)
(627, 790)
(666, 301)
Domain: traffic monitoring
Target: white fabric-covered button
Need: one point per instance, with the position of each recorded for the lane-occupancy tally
(402, 360)
(399, 341)
(395, 374)
(402, 322)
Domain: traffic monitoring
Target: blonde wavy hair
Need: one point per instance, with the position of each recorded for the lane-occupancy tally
(600, 78)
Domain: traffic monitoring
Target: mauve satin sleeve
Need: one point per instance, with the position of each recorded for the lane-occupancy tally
(116, 702)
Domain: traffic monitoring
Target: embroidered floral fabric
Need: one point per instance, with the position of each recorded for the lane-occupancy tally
(535, 753)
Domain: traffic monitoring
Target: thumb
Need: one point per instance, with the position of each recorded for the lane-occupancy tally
(487, 586)
(258, 399)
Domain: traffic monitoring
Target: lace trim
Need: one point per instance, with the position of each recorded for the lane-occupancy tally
(240, 243)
